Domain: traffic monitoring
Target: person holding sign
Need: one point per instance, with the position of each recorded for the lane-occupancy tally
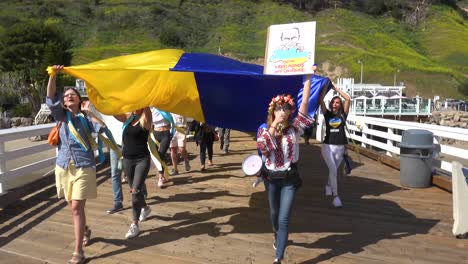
(335, 139)
(290, 49)
(279, 144)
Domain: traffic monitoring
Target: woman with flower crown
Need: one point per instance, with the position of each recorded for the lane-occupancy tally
(279, 144)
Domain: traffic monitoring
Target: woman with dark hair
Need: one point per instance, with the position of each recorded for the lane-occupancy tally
(205, 137)
(335, 139)
(75, 171)
(278, 142)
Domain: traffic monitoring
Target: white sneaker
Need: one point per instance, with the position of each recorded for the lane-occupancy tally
(337, 202)
(133, 231)
(328, 190)
(144, 214)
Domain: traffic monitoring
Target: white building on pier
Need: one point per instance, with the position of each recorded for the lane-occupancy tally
(379, 100)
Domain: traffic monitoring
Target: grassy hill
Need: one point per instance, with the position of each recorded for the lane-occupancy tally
(432, 58)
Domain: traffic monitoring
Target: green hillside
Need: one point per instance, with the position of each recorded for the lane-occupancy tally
(432, 58)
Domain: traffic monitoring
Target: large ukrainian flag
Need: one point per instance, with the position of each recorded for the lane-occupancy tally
(209, 88)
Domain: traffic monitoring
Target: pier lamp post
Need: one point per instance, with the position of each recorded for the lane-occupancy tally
(362, 67)
(394, 77)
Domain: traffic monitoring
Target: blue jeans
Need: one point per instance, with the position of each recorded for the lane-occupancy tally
(281, 194)
(116, 174)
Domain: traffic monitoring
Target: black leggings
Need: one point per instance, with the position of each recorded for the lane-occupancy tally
(164, 139)
(137, 171)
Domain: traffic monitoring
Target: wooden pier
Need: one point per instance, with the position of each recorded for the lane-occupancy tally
(218, 217)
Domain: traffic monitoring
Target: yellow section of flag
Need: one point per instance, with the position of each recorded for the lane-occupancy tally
(126, 83)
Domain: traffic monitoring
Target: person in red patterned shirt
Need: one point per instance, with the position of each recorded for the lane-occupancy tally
(279, 144)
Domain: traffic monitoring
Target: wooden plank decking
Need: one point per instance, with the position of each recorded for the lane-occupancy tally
(217, 217)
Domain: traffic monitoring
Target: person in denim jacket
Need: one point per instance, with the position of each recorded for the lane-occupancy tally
(75, 171)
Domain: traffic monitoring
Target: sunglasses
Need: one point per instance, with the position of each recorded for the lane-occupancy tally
(284, 108)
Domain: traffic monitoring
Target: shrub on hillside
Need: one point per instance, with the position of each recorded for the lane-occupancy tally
(22, 110)
(463, 87)
(86, 10)
(172, 36)
(26, 49)
(8, 20)
(7, 100)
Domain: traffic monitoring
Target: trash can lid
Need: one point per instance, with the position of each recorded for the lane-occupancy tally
(417, 138)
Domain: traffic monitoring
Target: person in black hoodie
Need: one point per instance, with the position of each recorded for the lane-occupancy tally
(204, 137)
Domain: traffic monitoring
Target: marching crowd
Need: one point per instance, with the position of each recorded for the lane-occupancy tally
(145, 135)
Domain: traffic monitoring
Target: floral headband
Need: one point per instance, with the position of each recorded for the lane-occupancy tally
(281, 100)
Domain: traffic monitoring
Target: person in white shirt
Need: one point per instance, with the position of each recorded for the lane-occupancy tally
(115, 128)
(162, 133)
(178, 144)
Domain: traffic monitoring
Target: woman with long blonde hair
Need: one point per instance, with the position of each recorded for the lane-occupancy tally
(136, 162)
(279, 144)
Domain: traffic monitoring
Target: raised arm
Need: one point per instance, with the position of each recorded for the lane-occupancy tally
(303, 109)
(121, 117)
(347, 99)
(323, 107)
(51, 85)
(147, 118)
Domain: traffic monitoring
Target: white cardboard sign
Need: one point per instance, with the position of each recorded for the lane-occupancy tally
(290, 49)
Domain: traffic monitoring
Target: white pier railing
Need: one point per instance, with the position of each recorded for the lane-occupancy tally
(385, 135)
(381, 134)
(8, 175)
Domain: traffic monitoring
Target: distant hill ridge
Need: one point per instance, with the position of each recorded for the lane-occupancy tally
(422, 45)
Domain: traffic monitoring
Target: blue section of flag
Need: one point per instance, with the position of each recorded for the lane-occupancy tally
(317, 84)
(210, 63)
(236, 95)
(241, 101)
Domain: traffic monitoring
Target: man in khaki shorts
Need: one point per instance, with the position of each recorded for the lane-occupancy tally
(178, 144)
